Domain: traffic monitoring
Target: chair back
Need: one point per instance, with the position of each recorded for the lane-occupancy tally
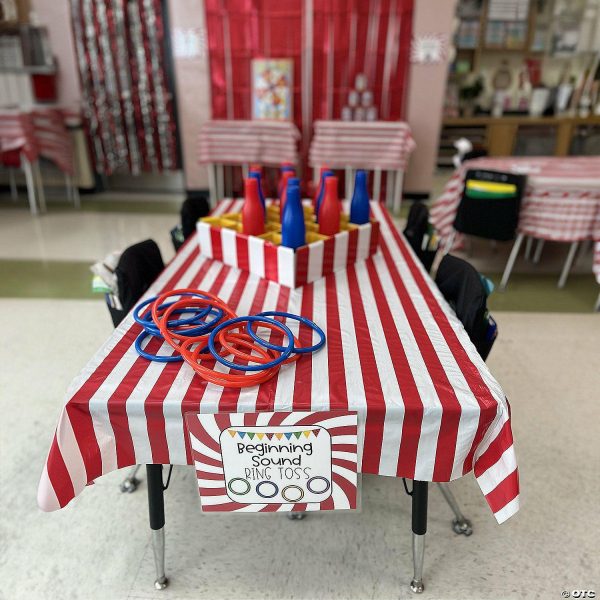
(490, 203)
(137, 269)
(463, 289)
(194, 207)
(417, 226)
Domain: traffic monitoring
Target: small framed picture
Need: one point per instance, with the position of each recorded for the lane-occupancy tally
(272, 88)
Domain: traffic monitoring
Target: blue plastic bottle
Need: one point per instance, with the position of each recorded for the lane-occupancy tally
(359, 207)
(293, 230)
(322, 193)
(257, 176)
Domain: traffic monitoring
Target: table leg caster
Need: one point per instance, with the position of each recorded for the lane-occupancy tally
(417, 586)
(463, 527)
(131, 482)
(296, 516)
(161, 583)
(129, 485)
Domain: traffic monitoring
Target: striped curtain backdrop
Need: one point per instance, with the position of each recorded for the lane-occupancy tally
(330, 42)
(127, 98)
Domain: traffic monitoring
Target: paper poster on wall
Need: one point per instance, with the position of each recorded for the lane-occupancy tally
(272, 86)
(429, 48)
(267, 462)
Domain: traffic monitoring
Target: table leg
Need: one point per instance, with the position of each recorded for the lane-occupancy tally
(399, 178)
(511, 261)
(419, 529)
(460, 524)
(29, 179)
(528, 247)
(156, 509)
(538, 251)
(39, 182)
(568, 264)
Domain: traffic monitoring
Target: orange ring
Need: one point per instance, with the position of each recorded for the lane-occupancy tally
(225, 333)
(182, 343)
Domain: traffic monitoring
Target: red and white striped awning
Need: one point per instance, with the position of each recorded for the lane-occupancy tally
(239, 142)
(428, 407)
(384, 145)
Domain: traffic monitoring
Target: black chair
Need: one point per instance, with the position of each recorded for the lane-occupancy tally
(463, 289)
(136, 270)
(493, 215)
(194, 207)
(415, 232)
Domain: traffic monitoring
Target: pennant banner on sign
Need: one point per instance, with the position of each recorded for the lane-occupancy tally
(297, 434)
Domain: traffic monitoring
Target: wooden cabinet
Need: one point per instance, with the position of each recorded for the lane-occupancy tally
(499, 135)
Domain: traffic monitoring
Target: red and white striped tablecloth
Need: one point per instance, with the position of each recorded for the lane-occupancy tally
(561, 201)
(39, 132)
(384, 145)
(428, 407)
(17, 133)
(239, 142)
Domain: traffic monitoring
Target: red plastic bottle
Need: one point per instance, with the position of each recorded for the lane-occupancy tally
(252, 212)
(329, 215)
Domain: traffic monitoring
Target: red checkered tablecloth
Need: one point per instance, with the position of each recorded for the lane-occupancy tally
(561, 202)
(428, 407)
(384, 145)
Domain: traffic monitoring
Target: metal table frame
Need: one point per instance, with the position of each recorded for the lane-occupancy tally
(419, 497)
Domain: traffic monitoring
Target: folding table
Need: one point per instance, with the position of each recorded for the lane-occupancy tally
(34, 133)
(428, 407)
(370, 145)
(244, 142)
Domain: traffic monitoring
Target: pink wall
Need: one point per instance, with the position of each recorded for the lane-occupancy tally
(427, 87)
(192, 87)
(55, 15)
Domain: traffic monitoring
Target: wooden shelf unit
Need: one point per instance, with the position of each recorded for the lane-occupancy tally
(499, 134)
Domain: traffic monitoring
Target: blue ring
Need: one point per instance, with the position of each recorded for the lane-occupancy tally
(147, 318)
(165, 359)
(201, 329)
(143, 320)
(264, 495)
(275, 313)
(285, 352)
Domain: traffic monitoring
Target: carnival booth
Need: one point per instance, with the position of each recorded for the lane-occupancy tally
(296, 340)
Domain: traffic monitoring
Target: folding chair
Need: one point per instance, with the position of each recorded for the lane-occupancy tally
(489, 208)
(137, 268)
(463, 289)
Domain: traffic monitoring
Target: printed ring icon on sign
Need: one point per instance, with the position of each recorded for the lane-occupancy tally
(237, 491)
(267, 483)
(285, 492)
(310, 485)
